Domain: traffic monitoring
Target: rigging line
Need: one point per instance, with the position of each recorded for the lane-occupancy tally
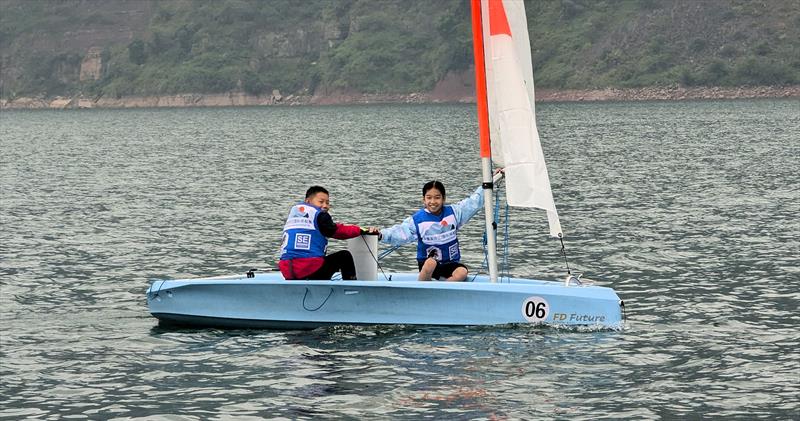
(564, 252)
(504, 266)
(505, 247)
(376, 259)
(385, 253)
(320, 306)
(155, 294)
(485, 264)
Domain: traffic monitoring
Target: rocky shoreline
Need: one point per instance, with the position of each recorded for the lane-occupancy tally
(461, 94)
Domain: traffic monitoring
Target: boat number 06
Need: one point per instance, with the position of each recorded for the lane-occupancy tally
(535, 309)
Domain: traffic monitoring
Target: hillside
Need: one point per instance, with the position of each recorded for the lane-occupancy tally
(121, 48)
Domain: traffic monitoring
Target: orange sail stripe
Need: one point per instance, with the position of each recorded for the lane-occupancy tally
(480, 80)
(498, 22)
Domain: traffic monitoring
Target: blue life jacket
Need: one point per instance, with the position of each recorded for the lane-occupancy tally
(437, 233)
(301, 235)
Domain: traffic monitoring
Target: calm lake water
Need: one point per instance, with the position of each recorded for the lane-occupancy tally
(689, 210)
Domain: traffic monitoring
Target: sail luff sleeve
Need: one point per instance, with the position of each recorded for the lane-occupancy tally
(480, 80)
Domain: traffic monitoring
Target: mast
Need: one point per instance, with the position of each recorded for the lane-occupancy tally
(483, 130)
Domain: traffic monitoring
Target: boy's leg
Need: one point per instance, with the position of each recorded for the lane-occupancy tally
(341, 261)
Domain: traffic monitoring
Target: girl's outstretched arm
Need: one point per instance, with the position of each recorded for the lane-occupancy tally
(467, 208)
(402, 233)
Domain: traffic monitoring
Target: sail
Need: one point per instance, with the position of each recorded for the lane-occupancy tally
(512, 119)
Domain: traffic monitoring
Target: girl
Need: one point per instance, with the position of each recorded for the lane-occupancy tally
(435, 228)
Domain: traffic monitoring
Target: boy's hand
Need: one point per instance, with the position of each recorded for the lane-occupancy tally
(372, 231)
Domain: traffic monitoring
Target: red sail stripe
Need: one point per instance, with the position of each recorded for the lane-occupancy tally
(480, 79)
(498, 22)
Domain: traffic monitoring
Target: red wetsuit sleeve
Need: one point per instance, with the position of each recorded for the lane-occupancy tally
(333, 230)
(343, 232)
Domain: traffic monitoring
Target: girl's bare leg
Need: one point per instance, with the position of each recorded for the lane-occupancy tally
(427, 269)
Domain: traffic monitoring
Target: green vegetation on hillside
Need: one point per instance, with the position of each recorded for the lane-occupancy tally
(211, 46)
(636, 43)
(383, 46)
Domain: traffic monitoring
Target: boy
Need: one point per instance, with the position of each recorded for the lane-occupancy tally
(305, 240)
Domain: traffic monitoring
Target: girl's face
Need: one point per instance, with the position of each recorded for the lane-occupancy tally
(433, 200)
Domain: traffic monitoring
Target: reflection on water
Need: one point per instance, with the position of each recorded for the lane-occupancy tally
(686, 209)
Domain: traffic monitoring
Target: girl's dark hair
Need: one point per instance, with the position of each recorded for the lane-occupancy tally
(435, 184)
(314, 190)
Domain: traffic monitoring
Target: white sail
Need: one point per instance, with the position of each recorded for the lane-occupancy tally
(512, 119)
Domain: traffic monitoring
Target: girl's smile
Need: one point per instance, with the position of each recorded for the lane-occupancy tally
(433, 201)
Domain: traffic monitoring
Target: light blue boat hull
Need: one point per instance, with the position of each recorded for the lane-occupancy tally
(269, 301)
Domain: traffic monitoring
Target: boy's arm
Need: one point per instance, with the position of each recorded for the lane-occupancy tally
(345, 231)
(333, 230)
(325, 224)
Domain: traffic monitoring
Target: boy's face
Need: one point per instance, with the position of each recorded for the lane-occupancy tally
(320, 200)
(433, 201)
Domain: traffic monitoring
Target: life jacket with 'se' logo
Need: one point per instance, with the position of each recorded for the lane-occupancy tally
(301, 235)
(437, 234)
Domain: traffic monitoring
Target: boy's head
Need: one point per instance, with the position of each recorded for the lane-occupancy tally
(433, 196)
(319, 197)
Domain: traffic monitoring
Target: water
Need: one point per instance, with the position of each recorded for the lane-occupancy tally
(689, 210)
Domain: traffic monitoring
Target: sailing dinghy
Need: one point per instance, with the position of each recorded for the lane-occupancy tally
(509, 138)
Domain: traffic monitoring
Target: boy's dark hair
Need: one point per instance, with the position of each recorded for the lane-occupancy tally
(314, 190)
(435, 184)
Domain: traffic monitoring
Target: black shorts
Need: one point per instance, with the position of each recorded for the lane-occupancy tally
(443, 270)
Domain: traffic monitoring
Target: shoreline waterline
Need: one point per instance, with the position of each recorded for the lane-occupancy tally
(238, 99)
